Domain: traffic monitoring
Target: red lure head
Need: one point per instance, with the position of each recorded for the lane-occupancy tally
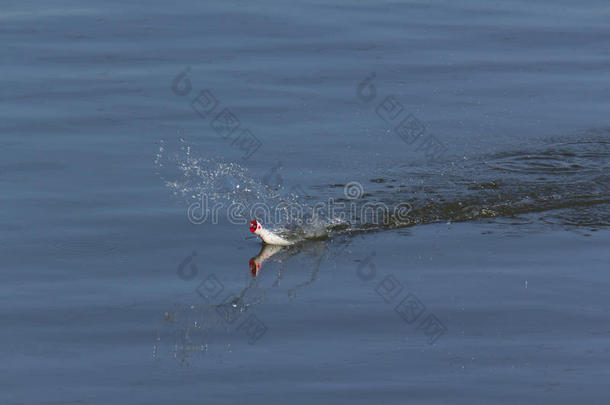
(253, 226)
(252, 265)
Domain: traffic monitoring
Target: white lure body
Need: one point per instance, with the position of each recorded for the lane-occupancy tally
(268, 236)
(265, 254)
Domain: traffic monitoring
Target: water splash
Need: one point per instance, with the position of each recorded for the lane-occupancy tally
(191, 177)
(564, 182)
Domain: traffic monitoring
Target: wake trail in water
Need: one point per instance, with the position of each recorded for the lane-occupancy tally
(565, 182)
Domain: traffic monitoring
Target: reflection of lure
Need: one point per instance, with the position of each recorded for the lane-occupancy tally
(266, 252)
(268, 236)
